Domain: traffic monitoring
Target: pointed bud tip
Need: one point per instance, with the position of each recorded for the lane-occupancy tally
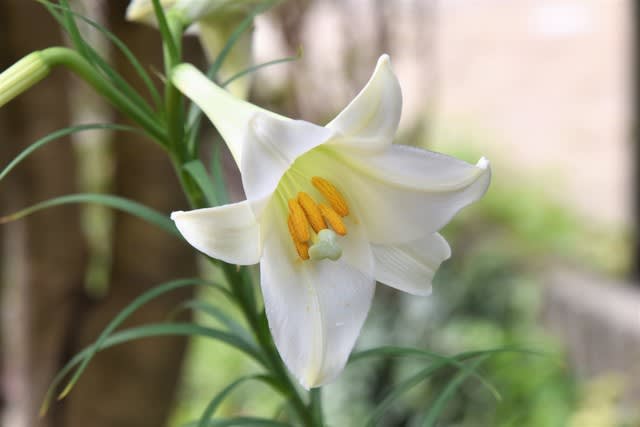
(384, 59)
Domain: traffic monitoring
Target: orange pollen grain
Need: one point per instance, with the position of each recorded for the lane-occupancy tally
(312, 211)
(333, 219)
(331, 193)
(299, 223)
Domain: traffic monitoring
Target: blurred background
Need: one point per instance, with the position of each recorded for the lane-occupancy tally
(546, 261)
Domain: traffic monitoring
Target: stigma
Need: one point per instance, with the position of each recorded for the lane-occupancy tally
(313, 226)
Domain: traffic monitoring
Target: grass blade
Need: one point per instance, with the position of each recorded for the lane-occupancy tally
(242, 421)
(219, 181)
(124, 314)
(414, 352)
(196, 169)
(120, 203)
(443, 398)
(165, 30)
(59, 134)
(194, 114)
(402, 388)
(231, 324)
(156, 330)
(257, 67)
(137, 66)
(219, 398)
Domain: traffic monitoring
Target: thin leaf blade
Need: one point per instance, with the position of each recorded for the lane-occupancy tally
(134, 208)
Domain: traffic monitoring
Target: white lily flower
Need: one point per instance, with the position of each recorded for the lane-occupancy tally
(329, 211)
(215, 21)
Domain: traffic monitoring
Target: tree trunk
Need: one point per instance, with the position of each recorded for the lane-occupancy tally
(44, 254)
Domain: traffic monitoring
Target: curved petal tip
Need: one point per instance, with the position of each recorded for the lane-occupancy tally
(483, 163)
(175, 215)
(229, 232)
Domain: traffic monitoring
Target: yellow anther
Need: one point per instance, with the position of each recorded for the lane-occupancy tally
(301, 247)
(333, 219)
(299, 222)
(313, 212)
(331, 193)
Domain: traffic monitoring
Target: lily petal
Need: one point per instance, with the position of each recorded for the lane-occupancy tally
(230, 232)
(271, 146)
(370, 121)
(405, 193)
(410, 266)
(229, 114)
(316, 309)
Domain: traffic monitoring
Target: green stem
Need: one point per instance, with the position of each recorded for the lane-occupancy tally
(258, 324)
(315, 406)
(76, 63)
(172, 49)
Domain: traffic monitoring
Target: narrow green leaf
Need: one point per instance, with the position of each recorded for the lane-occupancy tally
(400, 389)
(216, 313)
(450, 389)
(257, 67)
(74, 33)
(194, 115)
(139, 69)
(211, 408)
(243, 422)
(217, 169)
(98, 63)
(155, 330)
(414, 352)
(126, 205)
(59, 134)
(165, 30)
(125, 313)
(235, 36)
(201, 177)
(393, 351)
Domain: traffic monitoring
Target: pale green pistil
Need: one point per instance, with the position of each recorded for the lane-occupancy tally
(326, 246)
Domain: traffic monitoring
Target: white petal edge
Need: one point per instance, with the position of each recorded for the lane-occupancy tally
(229, 233)
(270, 147)
(405, 193)
(410, 266)
(229, 114)
(370, 121)
(316, 308)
